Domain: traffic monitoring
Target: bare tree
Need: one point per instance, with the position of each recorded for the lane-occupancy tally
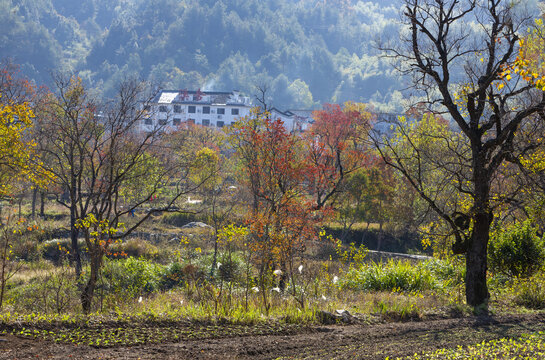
(98, 153)
(456, 53)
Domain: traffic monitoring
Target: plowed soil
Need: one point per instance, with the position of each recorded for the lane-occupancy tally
(356, 341)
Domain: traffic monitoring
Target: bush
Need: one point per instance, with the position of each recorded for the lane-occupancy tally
(134, 247)
(26, 249)
(516, 252)
(530, 292)
(56, 250)
(449, 272)
(173, 275)
(131, 276)
(230, 269)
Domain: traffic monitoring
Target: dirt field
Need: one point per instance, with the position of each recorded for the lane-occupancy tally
(320, 342)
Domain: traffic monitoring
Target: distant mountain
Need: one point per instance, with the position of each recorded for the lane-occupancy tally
(306, 52)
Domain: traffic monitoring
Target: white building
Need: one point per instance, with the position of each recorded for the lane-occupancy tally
(294, 120)
(172, 108)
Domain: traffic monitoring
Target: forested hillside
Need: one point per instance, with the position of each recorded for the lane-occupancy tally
(306, 51)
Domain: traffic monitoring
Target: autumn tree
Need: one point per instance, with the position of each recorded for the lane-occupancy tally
(18, 157)
(19, 160)
(282, 220)
(461, 71)
(336, 146)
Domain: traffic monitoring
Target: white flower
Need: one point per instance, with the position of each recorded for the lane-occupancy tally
(255, 289)
(277, 272)
(324, 298)
(335, 279)
(140, 299)
(300, 268)
(218, 265)
(181, 302)
(276, 289)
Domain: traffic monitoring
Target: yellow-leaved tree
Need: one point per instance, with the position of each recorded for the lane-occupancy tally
(19, 161)
(18, 157)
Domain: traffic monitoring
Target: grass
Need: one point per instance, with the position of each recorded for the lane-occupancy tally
(401, 276)
(373, 292)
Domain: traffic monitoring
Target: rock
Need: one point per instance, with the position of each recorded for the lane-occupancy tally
(174, 240)
(195, 224)
(345, 316)
(326, 318)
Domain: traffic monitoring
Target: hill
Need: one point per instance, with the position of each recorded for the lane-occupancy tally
(307, 51)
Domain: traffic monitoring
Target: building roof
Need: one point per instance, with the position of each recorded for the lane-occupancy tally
(212, 97)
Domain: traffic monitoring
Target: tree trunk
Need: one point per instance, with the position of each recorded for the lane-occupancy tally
(20, 205)
(34, 200)
(5, 249)
(476, 258)
(76, 259)
(215, 258)
(42, 204)
(89, 291)
(476, 252)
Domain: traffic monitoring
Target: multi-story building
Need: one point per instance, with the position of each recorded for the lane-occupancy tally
(294, 120)
(171, 108)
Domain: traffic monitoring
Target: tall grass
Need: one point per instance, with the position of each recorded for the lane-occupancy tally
(395, 275)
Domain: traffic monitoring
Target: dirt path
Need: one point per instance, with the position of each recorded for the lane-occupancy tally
(325, 342)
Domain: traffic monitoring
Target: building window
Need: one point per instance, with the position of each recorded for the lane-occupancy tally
(206, 122)
(220, 124)
(192, 109)
(221, 111)
(234, 111)
(148, 121)
(162, 121)
(191, 121)
(206, 109)
(162, 108)
(177, 109)
(176, 121)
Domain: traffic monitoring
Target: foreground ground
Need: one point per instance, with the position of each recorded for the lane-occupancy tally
(361, 341)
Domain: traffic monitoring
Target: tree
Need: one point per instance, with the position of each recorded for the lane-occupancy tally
(282, 219)
(460, 70)
(336, 147)
(98, 157)
(18, 157)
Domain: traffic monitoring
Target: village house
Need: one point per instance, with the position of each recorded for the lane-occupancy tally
(172, 108)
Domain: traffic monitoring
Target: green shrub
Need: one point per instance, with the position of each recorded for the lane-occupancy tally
(516, 252)
(449, 272)
(131, 276)
(56, 250)
(390, 276)
(530, 292)
(26, 249)
(173, 275)
(230, 269)
(134, 247)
